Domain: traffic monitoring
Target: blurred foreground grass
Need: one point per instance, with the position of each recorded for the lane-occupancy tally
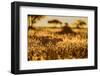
(49, 44)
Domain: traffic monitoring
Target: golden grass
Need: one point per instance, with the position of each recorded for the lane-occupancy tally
(49, 44)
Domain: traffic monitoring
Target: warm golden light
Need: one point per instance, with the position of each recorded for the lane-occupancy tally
(57, 37)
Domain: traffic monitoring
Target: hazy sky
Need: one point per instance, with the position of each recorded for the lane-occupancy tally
(69, 19)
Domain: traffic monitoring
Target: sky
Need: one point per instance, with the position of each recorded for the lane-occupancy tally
(69, 19)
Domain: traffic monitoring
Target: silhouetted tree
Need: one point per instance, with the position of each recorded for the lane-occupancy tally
(55, 21)
(80, 23)
(33, 19)
(66, 29)
(36, 18)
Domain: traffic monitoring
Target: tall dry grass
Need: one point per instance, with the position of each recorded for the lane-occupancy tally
(49, 44)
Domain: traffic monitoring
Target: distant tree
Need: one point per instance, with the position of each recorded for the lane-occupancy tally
(33, 19)
(55, 21)
(80, 23)
(66, 29)
(36, 18)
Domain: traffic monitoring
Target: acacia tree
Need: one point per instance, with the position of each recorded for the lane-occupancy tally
(80, 23)
(33, 19)
(67, 29)
(55, 22)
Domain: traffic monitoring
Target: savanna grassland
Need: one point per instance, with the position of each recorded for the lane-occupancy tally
(47, 43)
